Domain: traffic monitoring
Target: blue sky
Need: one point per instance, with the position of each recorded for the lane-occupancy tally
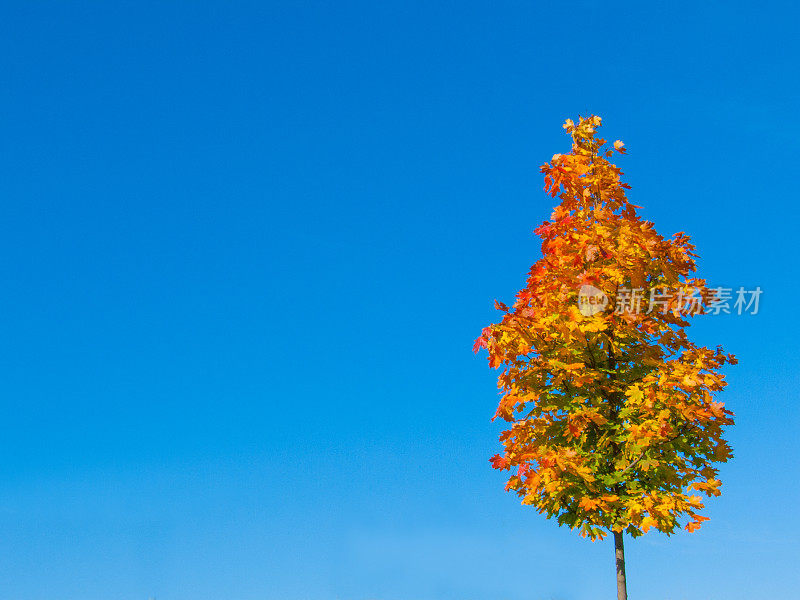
(246, 248)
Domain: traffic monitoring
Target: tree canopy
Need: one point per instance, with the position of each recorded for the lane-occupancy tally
(613, 418)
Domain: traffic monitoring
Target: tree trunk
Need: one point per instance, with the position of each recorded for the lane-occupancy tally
(619, 552)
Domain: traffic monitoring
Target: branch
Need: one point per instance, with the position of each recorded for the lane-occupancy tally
(661, 443)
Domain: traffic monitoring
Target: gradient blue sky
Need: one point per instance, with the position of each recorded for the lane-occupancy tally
(246, 248)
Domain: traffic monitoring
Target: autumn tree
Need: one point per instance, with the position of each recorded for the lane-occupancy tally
(613, 419)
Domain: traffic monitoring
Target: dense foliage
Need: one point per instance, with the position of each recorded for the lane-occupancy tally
(613, 418)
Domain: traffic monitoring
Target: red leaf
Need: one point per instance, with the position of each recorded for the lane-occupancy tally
(499, 462)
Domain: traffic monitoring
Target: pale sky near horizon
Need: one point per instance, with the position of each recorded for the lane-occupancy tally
(246, 248)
